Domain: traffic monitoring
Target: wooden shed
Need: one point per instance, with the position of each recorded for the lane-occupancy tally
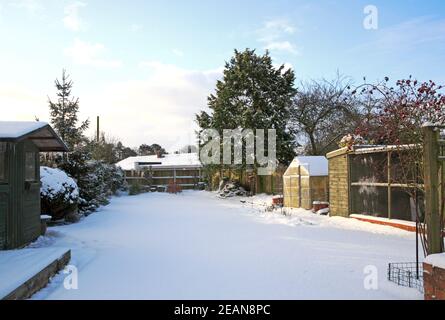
(363, 183)
(306, 181)
(20, 144)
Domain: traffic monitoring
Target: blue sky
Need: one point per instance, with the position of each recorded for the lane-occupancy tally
(147, 66)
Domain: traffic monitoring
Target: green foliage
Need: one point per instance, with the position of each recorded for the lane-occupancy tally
(97, 180)
(135, 189)
(253, 94)
(64, 113)
(109, 150)
(149, 150)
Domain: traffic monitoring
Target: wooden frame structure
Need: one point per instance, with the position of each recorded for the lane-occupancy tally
(347, 188)
(20, 144)
(305, 181)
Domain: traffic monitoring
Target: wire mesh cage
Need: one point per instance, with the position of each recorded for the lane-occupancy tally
(406, 274)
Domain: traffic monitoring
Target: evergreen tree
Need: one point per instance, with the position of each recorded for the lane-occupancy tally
(150, 150)
(64, 113)
(253, 94)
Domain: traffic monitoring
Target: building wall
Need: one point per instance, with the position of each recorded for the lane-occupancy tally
(434, 282)
(339, 185)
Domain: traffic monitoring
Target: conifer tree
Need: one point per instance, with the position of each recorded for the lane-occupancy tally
(64, 113)
(253, 94)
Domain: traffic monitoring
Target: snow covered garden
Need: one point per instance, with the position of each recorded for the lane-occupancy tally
(195, 245)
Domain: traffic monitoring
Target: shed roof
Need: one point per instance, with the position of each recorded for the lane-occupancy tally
(41, 133)
(361, 149)
(183, 160)
(315, 165)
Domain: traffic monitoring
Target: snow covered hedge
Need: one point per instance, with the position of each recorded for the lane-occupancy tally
(101, 181)
(96, 180)
(58, 192)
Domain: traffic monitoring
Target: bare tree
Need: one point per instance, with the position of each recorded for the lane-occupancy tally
(322, 112)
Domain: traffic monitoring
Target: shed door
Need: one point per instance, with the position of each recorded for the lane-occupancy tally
(4, 195)
(4, 199)
(31, 197)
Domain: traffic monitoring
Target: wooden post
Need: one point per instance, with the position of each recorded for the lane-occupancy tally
(431, 173)
(389, 186)
(442, 189)
(299, 186)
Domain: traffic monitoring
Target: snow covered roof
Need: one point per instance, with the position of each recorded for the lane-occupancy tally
(315, 165)
(41, 134)
(16, 129)
(182, 160)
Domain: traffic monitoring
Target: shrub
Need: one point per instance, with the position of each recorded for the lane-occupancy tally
(97, 180)
(135, 189)
(59, 193)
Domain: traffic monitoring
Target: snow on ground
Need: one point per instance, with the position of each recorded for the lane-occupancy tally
(18, 266)
(197, 246)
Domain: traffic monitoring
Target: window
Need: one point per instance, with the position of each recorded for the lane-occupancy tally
(2, 162)
(30, 166)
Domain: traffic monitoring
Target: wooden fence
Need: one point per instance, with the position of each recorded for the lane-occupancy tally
(271, 184)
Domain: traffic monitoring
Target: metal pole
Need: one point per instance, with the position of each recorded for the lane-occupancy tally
(389, 186)
(98, 129)
(417, 246)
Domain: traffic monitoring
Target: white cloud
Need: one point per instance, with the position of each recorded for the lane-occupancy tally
(31, 6)
(135, 27)
(280, 25)
(160, 108)
(22, 103)
(274, 35)
(287, 66)
(407, 36)
(72, 20)
(178, 52)
(90, 54)
(282, 46)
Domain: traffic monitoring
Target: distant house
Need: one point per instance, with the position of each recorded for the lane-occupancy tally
(20, 144)
(305, 181)
(159, 171)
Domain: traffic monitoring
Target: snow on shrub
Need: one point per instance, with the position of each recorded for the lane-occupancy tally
(101, 181)
(97, 180)
(58, 192)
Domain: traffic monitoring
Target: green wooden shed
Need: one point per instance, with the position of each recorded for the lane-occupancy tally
(20, 144)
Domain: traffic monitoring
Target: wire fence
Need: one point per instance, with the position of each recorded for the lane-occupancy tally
(406, 274)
